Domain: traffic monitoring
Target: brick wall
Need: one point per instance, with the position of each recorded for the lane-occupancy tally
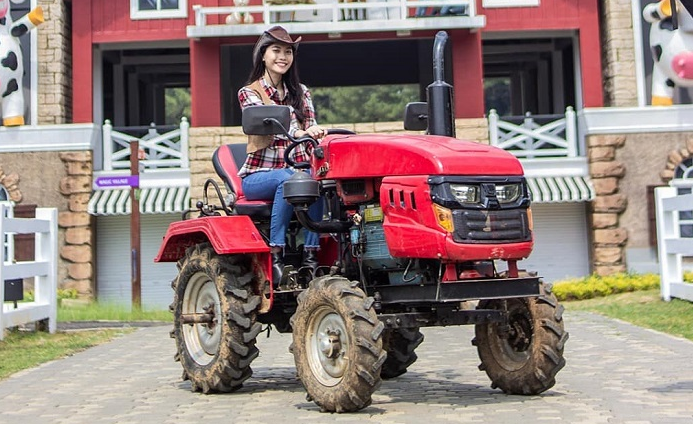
(54, 63)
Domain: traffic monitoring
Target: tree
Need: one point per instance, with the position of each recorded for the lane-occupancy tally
(378, 103)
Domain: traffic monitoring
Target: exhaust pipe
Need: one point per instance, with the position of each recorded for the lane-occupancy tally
(439, 93)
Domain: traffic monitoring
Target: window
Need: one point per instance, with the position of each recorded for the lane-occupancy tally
(158, 9)
(509, 3)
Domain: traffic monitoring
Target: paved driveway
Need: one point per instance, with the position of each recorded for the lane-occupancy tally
(616, 373)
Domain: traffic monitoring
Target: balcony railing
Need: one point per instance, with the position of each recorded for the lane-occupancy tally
(161, 151)
(535, 136)
(333, 17)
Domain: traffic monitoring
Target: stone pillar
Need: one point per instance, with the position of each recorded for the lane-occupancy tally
(55, 64)
(77, 250)
(609, 239)
(618, 48)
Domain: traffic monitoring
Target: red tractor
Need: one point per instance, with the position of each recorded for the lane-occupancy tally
(415, 231)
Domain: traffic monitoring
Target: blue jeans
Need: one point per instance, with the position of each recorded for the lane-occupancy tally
(269, 185)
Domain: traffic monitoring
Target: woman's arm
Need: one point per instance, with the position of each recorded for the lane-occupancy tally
(311, 124)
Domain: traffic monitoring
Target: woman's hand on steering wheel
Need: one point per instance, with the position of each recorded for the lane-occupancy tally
(315, 132)
(301, 136)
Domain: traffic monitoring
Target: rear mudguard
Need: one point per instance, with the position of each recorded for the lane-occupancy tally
(228, 235)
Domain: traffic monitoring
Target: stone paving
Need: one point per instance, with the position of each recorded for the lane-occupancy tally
(616, 373)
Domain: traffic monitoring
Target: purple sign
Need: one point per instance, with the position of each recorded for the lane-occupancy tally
(125, 181)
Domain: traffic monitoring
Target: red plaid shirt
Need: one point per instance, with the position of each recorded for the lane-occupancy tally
(272, 157)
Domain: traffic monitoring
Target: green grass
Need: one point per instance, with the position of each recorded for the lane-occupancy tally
(643, 308)
(22, 350)
(108, 312)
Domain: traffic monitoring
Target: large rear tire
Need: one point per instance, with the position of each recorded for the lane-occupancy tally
(400, 344)
(337, 344)
(215, 354)
(524, 356)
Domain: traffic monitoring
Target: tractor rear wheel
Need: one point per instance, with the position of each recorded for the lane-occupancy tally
(523, 355)
(215, 319)
(400, 344)
(337, 344)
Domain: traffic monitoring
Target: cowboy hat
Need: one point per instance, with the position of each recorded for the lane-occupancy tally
(276, 34)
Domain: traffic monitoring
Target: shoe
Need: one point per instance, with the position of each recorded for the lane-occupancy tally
(310, 259)
(277, 267)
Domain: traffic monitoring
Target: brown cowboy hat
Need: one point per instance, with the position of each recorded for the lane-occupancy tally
(276, 34)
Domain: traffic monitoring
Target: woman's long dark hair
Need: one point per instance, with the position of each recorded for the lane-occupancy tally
(293, 83)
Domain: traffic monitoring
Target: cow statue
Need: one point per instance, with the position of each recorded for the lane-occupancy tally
(672, 50)
(11, 64)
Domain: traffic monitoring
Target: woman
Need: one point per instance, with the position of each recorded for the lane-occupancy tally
(274, 80)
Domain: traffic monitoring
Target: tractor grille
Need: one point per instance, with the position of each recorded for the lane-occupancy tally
(496, 226)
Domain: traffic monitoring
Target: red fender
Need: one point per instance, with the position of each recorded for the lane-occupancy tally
(227, 235)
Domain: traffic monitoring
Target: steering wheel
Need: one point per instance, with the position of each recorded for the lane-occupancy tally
(308, 139)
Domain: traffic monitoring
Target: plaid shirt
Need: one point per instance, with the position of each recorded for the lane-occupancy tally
(272, 157)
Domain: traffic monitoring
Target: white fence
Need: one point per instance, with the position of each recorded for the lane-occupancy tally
(672, 247)
(529, 139)
(44, 269)
(168, 150)
(332, 11)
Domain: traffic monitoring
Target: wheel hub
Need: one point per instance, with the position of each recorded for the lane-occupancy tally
(202, 339)
(327, 347)
(331, 344)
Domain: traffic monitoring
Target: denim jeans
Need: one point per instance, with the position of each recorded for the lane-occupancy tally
(269, 185)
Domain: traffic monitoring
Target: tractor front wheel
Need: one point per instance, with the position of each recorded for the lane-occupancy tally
(337, 344)
(215, 324)
(522, 355)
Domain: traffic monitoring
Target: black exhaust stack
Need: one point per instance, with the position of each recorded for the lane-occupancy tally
(440, 107)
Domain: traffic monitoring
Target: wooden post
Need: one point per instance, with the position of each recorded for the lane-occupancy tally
(135, 226)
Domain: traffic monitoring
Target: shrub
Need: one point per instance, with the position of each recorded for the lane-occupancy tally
(596, 286)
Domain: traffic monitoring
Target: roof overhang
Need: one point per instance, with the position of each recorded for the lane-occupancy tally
(161, 200)
(558, 180)
(560, 189)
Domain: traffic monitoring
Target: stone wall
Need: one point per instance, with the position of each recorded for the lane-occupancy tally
(620, 86)
(204, 141)
(608, 236)
(76, 251)
(55, 63)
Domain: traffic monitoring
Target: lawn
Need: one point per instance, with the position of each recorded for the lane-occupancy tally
(643, 308)
(23, 349)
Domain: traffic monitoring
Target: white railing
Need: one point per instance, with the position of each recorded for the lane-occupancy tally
(332, 11)
(44, 269)
(168, 150)
(671, 246)
(529, 139)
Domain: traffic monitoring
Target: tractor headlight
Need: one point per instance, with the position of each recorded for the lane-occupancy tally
(508, 193)
(465, 193)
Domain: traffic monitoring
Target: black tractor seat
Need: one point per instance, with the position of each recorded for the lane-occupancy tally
(227, 160)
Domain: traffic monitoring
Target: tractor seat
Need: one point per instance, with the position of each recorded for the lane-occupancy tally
(227, 160)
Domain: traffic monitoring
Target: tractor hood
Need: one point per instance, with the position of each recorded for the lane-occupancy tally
(363, 156)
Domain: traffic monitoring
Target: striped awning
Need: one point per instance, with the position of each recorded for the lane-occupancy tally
(560, 189)
(152, 200)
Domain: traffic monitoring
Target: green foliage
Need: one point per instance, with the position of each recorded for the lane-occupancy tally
(644, 308)
(21, 349)
(497, 95)
(62, 294)
(596, 286)
(94, 311)
(177, 105)
(378, 103)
